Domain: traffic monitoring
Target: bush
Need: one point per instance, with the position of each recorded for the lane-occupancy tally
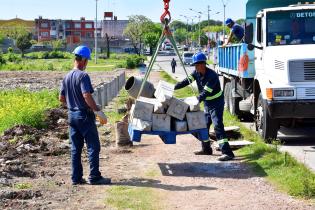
(130, 63)
(2, 60)
(10, 50)
(134, 61)
(49, 55)
(12, 57)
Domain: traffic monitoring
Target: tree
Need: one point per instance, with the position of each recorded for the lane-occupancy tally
(180, 35)
(135, 30)
(152, 34)
(23, 42)
(176, 24)
(58, 44)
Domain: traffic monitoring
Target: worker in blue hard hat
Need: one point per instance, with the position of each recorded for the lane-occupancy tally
(236, 31)
(211, 94)
(76, 93)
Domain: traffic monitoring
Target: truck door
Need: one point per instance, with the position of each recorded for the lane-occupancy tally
(259, 53)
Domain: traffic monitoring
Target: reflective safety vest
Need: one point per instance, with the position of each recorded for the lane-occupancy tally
(208, 85)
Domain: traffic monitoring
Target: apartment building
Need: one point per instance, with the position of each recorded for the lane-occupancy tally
(74, 31)
(113, 27)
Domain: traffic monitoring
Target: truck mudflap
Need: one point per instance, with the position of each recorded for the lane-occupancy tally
(291, 109)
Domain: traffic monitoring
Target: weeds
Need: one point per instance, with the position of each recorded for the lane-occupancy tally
(122, 197)
(280, 168)
(22, 186)
(181, 93)
(24, 107)
(113, 115)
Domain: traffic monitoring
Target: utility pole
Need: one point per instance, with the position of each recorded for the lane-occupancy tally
(224, 6)
(199, 16)
(209, 15)
(95, 35)
(199, 31)
(187, 18)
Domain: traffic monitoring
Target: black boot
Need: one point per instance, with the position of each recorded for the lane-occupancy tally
(206, 149)
(227, 153)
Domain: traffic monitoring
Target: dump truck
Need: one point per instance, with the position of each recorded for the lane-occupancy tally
(271, 75)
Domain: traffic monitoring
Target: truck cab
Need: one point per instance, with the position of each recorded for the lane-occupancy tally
(277, 84)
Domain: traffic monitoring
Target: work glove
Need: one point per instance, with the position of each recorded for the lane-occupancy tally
(100, 116)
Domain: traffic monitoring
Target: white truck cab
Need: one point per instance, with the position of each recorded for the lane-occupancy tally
(278, 83)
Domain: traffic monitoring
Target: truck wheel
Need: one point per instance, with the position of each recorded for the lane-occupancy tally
(232, 102)
(266, 126)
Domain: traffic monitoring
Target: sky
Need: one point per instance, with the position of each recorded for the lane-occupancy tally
(74, 9)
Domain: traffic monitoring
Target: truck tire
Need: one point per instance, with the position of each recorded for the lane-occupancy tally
(266, 126)
(232, 102)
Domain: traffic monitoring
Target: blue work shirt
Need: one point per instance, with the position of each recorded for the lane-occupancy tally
(208, 86)
(238, 31)
(73, 86)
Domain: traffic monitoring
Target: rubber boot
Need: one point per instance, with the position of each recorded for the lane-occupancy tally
(206, 149)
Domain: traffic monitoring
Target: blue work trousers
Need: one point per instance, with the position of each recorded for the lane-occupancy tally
(83, 128)
(214, 114)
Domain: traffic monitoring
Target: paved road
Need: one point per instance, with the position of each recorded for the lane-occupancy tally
(300, 143)
(164, 63)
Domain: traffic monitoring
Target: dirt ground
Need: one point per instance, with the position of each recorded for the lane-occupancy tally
(183, 180)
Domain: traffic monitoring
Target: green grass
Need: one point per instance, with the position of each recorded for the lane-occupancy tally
(63, 64)
(140, 198)
(181, 93)
(24, 107)
(22, 186)
(114, 116)
(281, 169)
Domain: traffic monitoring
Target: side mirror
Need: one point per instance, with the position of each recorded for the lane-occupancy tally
(249, 30)
(250, 47)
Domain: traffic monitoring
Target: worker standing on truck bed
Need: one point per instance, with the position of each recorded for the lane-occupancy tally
(76, 92)
(212, 96)
(236, 30)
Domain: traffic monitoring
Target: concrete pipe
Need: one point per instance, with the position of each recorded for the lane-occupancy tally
(133, 86)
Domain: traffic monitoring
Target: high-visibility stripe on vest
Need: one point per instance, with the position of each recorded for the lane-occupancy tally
(222, 141)
(208, 89)
(214, 96)
(191, 78)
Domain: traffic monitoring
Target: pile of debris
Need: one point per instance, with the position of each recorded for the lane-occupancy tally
(166, 112)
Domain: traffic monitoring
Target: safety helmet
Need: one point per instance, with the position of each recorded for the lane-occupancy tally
(199, 57)
(229, 21)
(82, 51)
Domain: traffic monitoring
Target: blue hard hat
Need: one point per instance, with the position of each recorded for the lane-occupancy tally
(228, 21)
(199, 57)
(82, 51)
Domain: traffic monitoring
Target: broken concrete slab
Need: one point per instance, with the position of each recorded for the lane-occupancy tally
(159, 108)
(143, 109)
(177, 109)
(228, 129)
(234, 144)
(239, 144)
(196, 120)
(194, 105)
(161, 122)
(164, 92)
